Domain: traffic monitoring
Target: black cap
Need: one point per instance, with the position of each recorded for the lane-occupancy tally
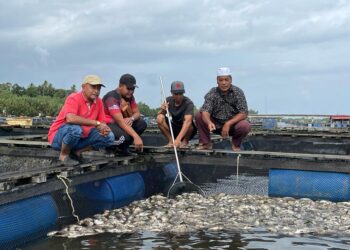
(128, 80)
(177, 87)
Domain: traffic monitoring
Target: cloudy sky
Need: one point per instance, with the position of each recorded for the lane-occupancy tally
(290, 56)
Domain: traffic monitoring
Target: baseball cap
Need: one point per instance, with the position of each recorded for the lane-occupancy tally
(128, 80)
(224, 71)
(93, 80)
(177, 87)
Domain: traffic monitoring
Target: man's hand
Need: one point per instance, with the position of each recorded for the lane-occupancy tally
(225, 130)
(128, 121)
(164, 106)
(177, 143)
(138, 144)
(103, 129)
(211, 126)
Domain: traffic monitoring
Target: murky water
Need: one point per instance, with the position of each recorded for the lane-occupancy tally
(198, 240)
(203, 239)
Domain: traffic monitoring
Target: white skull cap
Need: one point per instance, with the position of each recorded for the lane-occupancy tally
(224, 71)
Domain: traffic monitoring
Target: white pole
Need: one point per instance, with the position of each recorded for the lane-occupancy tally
(171, 132)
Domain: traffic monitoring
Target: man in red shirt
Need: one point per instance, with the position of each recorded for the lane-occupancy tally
(123, 115)
(80, 125)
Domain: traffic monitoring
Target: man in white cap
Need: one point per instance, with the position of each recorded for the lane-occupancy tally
(80, 126)
(224, 112)
(181, 110)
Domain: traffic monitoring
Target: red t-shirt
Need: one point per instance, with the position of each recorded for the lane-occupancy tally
(78, 105)
(111, 103)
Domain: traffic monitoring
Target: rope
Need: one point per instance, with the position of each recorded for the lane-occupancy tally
(238, 157)
(63, 178)
(177, 175)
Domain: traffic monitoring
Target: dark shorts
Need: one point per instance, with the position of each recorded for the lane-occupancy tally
(177, 128)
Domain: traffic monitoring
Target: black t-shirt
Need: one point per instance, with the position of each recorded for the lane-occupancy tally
(178, 112)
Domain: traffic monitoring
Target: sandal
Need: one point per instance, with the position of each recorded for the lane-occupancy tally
(207, 146)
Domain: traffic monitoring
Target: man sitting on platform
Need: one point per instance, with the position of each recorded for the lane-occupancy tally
(80, 125)
(123, 115)
(181, 110)
(224, 112)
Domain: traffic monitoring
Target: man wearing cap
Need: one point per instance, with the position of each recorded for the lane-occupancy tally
(224, 112)
(181, 110)
(123, 115)
(80, 126)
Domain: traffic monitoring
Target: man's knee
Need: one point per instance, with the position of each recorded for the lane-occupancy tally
(141, 126)
(243, 126)
(110, 138)
(75, 130)
(160, 119)
(198, 116)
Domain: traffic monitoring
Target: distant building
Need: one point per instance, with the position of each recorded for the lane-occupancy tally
(339, 121)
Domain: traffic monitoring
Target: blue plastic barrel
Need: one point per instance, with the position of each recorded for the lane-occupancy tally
(269, 123)
(24, 220)
(309, 184)
(118, 189)
(170, 171)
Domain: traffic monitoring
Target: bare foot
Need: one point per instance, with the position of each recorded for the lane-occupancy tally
(169, 145)
(184, 145)
(235, 148)
(204, 146)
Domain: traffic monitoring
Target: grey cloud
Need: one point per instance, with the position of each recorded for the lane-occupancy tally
(277, 47)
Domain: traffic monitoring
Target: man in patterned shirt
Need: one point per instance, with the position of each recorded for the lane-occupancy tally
(224, 112)
(123, 115)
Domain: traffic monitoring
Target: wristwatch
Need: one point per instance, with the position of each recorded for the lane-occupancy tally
(98, 123)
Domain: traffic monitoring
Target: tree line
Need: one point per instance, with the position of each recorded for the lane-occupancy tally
(45, 100)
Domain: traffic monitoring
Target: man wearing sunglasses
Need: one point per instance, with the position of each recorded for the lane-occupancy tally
(181, 110)
(123, 115)
(80, 125)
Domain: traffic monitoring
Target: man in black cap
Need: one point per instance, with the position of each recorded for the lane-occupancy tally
(181, 110)
(123, 115)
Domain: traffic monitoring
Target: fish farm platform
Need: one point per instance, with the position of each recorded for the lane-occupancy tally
(16, 184)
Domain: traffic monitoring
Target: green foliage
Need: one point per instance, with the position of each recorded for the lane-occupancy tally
(33, 100)
(146, 110)
(253, 112)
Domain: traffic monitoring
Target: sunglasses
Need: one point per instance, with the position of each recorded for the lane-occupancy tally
(131, 88)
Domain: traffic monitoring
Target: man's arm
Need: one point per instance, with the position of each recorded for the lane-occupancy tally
(118, 118)
(135, 114)
(207, 109)
(226, 128)
(75, 119)
(236, 118)
(207, 120)
(242, 115)
(185, 126)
